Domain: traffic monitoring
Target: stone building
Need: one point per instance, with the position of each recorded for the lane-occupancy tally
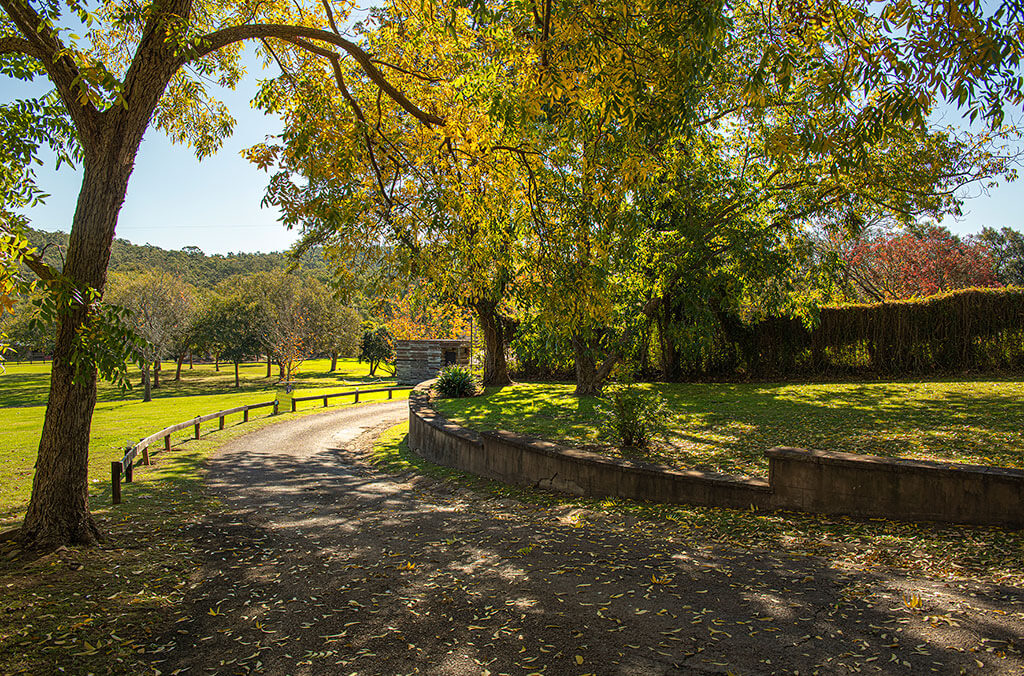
(419, 360)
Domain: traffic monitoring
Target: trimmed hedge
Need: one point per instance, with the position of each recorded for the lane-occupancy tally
(969, 329)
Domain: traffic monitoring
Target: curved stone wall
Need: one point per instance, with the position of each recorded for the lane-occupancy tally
(801, 480)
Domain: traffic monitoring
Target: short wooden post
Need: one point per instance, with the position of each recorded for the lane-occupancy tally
(221, 422)
(145, 454)
(129, 471)
(294, 403)
(197, 427)
(357, 396)
(275, 408)
(390, 392)
(325, 402)
(115, 481)
(245, 415)
(167, 442)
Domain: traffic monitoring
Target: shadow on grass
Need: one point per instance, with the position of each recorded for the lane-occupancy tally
(727, 427)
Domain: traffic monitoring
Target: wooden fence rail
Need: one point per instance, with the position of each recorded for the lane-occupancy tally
(390, 390)
(125, 466)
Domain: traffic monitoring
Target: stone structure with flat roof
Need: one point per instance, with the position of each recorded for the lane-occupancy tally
(419, 360)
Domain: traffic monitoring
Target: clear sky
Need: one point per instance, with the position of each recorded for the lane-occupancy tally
(174, 200)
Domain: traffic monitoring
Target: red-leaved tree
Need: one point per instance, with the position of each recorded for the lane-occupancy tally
(891, 267)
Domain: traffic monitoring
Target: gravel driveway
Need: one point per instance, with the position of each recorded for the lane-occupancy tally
(322, 564)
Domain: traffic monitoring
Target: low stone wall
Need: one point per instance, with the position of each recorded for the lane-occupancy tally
(830, 482)
(809, 481)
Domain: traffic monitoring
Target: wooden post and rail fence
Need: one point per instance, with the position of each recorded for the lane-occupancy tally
(124, 468)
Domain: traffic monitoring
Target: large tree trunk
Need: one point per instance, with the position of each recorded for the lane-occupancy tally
(216, 363)
(497, 331)
(334, 362)
(177, 370)
(58, 511)
(591, 375)
(268, 364)
(156, 374)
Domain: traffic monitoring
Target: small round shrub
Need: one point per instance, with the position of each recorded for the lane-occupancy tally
(455, 381)
(633, 416)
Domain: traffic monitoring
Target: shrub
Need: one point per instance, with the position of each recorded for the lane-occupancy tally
(455, 381)
(633, 416)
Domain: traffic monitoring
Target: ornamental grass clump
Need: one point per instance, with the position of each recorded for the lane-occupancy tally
(455, 381)
(633, 416)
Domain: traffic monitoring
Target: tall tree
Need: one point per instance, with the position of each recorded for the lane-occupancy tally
(140, 63)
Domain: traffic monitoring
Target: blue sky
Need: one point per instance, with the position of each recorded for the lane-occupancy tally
(174, 200)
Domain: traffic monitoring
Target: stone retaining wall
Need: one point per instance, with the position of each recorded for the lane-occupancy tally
(801, 480)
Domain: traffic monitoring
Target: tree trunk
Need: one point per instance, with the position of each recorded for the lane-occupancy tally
(147, 383)
(236, 375)
(216, 363)
(590, 376)
(496, 331)
(177, 371)
(268, 364)
(670, 369)
(58, 511)
(190, 361)
(280, 371)
(156, 374)
(334, 362)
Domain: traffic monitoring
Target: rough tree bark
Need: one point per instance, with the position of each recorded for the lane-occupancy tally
(497, 331)
(334, 362)
(177, 370)
(58, 511)
(156, 374)
(236, 375)
(591, 375)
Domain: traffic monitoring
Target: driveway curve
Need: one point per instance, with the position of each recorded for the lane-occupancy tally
(322, 564)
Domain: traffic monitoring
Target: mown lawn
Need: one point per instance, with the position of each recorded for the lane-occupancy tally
(122, 417)
(727, 427)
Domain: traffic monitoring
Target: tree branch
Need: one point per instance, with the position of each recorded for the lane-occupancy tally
(13, 45)
(48, 48)
(218, 39)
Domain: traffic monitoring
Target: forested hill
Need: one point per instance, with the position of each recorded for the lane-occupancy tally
(189, 264)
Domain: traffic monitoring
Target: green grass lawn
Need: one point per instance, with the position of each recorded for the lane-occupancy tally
(123, 417)
(727, 427)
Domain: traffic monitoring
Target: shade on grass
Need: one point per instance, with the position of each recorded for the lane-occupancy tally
(727, 427)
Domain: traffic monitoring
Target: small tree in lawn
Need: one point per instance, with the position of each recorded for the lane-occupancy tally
(377, 348)
(229, 327)
(160, 306)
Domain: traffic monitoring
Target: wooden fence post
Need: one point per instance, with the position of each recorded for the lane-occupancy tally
(294, 404)
(197, 427)
(145, 455)
(357, 396)
(390, 392)
(167, 442)
(222, 422)
(325, 402)
(129, 471)
(115, 481)
(245, 415)
(275, 408)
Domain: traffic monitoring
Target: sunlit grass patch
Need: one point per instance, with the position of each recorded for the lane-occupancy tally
(727, 427)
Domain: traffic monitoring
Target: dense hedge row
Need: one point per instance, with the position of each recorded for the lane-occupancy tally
(970, 329)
